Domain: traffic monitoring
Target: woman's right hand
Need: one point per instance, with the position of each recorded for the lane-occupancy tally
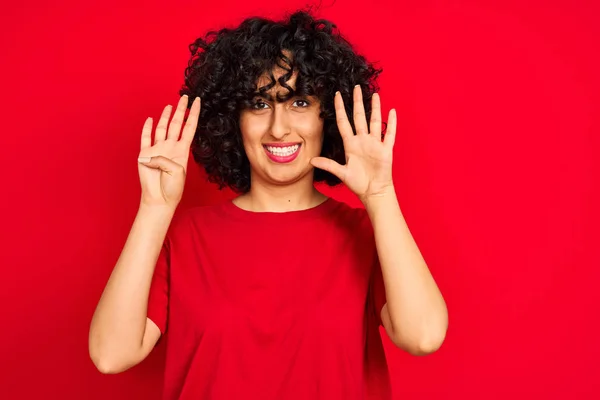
(162, 165)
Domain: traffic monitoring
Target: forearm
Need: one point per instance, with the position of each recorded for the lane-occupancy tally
(417, 311)
(119, 322)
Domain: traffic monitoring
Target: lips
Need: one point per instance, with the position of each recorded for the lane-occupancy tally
(282, 152)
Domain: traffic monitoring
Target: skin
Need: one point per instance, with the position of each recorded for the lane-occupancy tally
(275, 186)
(415, 316)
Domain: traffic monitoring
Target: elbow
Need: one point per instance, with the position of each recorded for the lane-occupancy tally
(428, 347)
(419, 349)
(106, 361)
(113, 355)
(109, 365)
(432, 337)
(422, 344)
(433, 340)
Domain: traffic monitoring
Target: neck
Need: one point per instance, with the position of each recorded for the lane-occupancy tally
(266, 197)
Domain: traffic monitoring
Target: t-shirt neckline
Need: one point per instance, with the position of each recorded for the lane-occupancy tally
(317, 210)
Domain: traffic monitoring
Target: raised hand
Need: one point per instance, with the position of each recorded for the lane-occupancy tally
(368, 168)
(162, 166)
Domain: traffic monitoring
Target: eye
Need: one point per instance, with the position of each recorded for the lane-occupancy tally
(258, 105)
(307, 104)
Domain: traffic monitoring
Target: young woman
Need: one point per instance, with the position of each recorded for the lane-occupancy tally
(278, 294)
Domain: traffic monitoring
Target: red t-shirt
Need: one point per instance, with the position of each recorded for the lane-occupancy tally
(258, 305)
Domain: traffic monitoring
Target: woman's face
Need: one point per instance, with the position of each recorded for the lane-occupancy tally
(281, 138)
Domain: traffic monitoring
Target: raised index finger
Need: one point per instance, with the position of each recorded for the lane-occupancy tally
(341, 117)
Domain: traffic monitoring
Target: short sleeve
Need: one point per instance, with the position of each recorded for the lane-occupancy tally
(377, 289)
(158, 299)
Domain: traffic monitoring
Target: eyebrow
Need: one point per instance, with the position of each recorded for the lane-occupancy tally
(264, 96)
(270, 97)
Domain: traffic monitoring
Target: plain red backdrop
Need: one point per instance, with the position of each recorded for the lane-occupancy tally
(495, 167)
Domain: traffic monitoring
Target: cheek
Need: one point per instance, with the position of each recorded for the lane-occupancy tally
(311, 129)
(315, 138)
(251, 132)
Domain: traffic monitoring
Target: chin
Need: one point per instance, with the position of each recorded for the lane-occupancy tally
(286, 175)
(283, 179)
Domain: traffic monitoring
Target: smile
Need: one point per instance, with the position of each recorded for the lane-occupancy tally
(282, 153)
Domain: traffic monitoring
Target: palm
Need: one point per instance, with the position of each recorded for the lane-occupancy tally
(163, 184)
(368, 168)
(368, 165)
(158, 183)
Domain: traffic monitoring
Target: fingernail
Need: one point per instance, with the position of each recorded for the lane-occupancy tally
(338, 92)
(143, 159)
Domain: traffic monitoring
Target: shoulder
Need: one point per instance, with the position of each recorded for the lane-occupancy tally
(351, 217)
(354, 225)
(197, 217)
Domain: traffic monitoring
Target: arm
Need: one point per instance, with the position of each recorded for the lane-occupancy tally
(415, 316)
(120, 334)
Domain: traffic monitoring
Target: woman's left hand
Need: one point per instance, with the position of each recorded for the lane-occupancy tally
(368, 168)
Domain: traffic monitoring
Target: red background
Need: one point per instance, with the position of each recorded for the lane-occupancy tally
(495, 164)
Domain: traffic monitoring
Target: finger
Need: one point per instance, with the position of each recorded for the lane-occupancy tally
(341, 117)
(189, 130)
(146, 134)
(329, 165)
(163, 122)
(390, 132)
(162, 163)
(177, 121)
(375, 124)
(360, 119)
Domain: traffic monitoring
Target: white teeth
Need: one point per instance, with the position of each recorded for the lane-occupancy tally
(283, 151)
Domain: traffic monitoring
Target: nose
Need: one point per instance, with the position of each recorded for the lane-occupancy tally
(279, 124)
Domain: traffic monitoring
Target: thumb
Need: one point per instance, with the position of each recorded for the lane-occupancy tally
(329, 165)
(163, 163)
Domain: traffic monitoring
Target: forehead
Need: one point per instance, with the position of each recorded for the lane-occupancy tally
(277, 71)
(265, 79)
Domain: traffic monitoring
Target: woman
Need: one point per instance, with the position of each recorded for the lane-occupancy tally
(278, 294)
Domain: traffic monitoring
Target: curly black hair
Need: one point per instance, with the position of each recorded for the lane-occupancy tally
(224, 69)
